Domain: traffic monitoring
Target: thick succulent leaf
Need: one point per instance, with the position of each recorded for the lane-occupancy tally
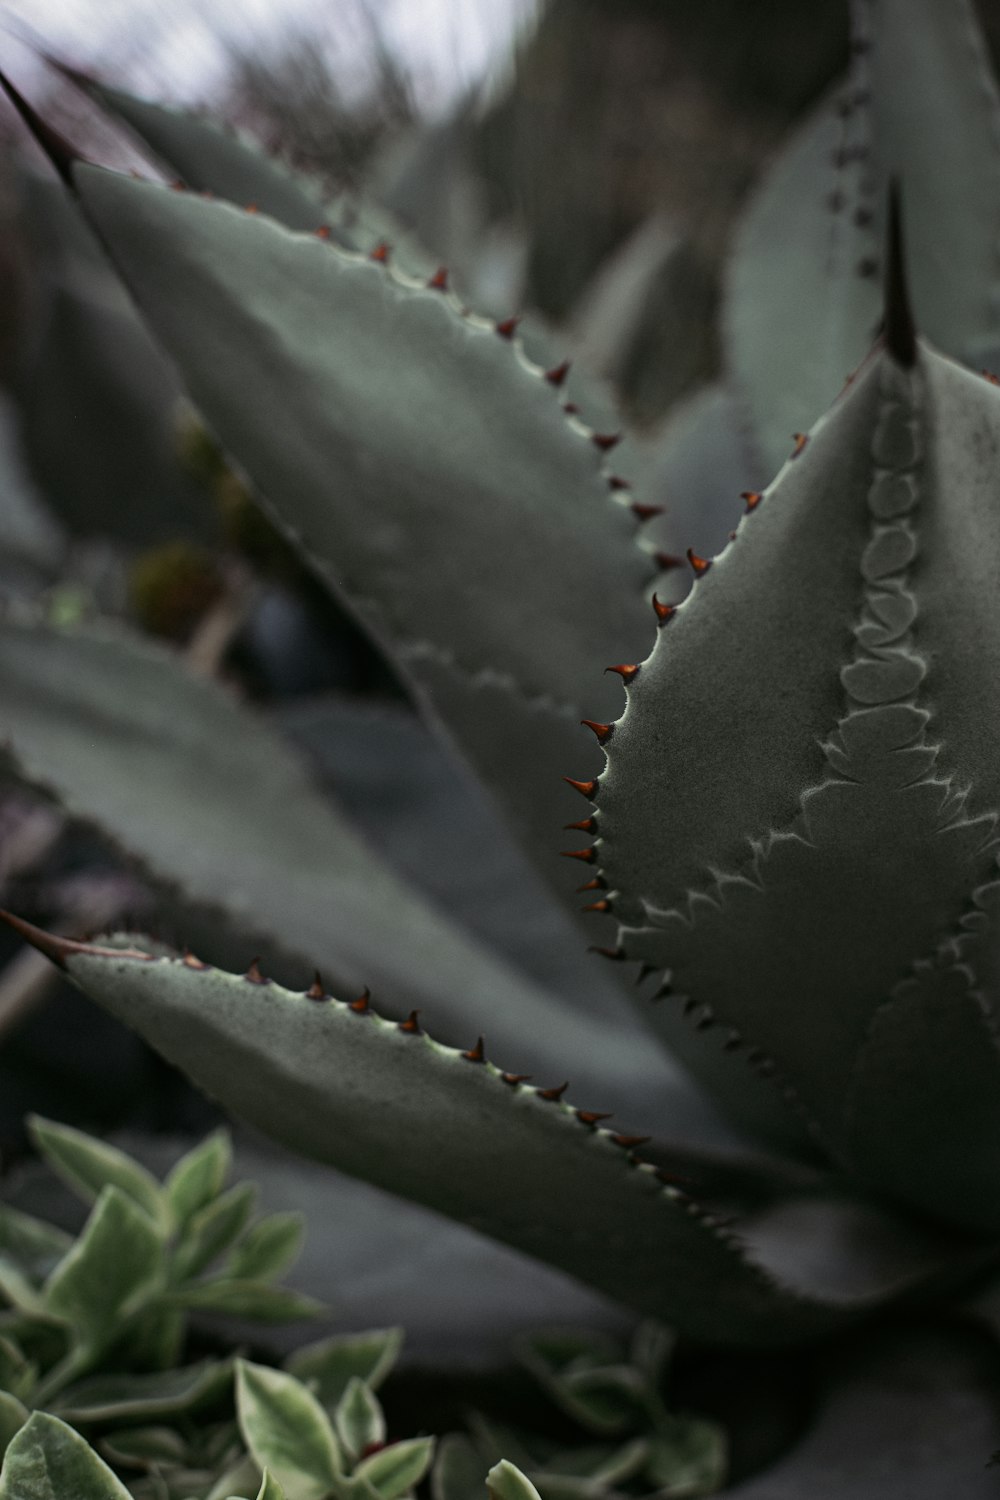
(114, 1266)
(420, 1119)
(802, 305)
(209, 158)
(396, 1469)
(430, 474)
(162, 762)
(924, 1108)
(13, 1415)
(328, 1365)
(844, 804)
(907, 1416)
(197, 1178)
(49, 1461)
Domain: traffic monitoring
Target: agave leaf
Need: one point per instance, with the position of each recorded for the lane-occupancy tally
(760, 917)
(162, 761)
(49, 1461)
(905, 1416)
(469, 526)
(802, 305)
(419, 1119)
(210, 158)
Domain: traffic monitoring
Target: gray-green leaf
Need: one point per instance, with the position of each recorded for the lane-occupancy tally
(328, 1365)
(394, 1470)
(358, 1419)
(88, 1166)
(49, 1461)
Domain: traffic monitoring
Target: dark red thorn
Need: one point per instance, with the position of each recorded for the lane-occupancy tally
(59, 949)
(664, 612)
(700, 565)
(615, 482)
(58, 150)
(571, 409)
(507, 328)
(597, 884)
(646, 512)
(476, 1054)
(587, 789)
(412, 1024)
(617, 955)
(626, 670)
(602, 731)
(254, 975)
(605, 440)
(552, 1095)
(587, 855)
(591, 1117)
(670, 1179)
(323, 232)
(381, 253)
(180, 186)
(604, 905)
(316, 990)
(988, 375)
(251, 208)
(752, 498)
(362, 1004)
(557, 375)
(667, 560)
(628, 1142)
(190, 962)
(800, 440)
(513, 1079)
(439, 281)
(585, 825)
(899, 328)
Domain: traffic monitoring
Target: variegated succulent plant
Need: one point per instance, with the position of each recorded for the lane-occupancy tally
(795, 823)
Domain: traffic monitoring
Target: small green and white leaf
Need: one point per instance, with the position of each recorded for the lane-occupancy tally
(268, 1248)
(358, 1419)
(116, 1264)
(29, 1249)
(690, 1459)
(270, 1489)
(328, 1365)
(49, 1461)
(87, 1166)
(144, 1447)
(212, 1230)
(604, 1464)
(394, 1471)
(505, 1482)
(13, 1415)
(458, 1469)
(128, 1398)
(198, 1177)
(17, 1371)
(239, 1481)
(250, 1299)
(287, 1431)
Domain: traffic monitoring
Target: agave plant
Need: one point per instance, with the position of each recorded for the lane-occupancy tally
(795, 823)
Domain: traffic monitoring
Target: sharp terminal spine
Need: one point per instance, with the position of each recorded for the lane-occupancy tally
(900, 330)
